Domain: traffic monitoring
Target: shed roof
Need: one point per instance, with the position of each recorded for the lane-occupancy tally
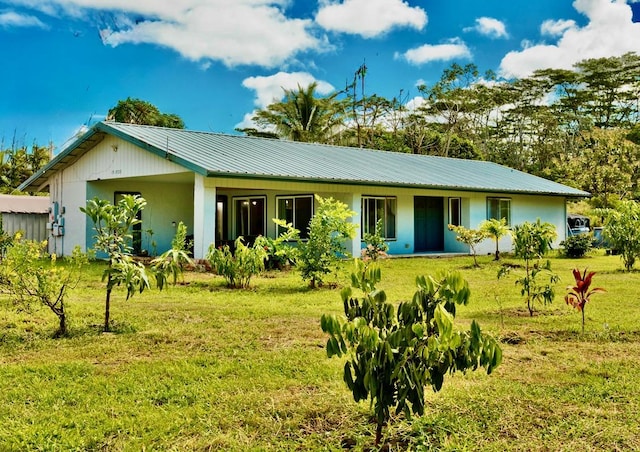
(214, 154)
(24, 204)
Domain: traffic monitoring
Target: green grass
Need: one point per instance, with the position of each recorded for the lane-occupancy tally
(202, 367)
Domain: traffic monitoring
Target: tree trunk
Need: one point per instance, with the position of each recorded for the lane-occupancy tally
(106, 306)
(62, 328)
(378, 434)
(497, 251)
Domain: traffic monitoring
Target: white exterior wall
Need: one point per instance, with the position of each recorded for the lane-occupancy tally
(175, 194)
(107, 168)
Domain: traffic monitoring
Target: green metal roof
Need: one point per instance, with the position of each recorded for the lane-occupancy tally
(214, 154)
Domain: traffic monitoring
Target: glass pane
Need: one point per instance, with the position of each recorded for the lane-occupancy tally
(391, 219)
(242, 217)
(256, 217)
(303, 214)
(285, 212)
(454, 211)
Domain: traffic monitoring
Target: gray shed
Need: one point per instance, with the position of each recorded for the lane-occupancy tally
(28, 214)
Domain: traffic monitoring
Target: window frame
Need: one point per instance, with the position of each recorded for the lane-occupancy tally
(500, 200)
(304, 233)
(458, 210)
(235, 215)
(364, 225)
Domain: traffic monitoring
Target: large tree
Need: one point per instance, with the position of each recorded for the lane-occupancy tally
(136, 111)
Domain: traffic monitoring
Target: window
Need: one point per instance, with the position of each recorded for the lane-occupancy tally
(379, 208)
(296, 210)
(455, 217)
(250, 217)
(498, 208)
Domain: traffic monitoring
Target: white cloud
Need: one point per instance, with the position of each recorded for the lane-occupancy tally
(426, 53)
(13, 19)
(238, 32)
(556, 27)
(369, 18)
(270, 89)
(490, 27)
(610, 32)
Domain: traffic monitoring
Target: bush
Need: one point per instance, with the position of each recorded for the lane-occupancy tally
(577, 245)
(280, 254)
(375, 247)
(328, 230)
(393, 354)
(240, 266)
(622, 231)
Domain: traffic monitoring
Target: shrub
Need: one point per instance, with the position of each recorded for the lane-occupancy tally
(375, 245)
(577, 245)
(622, 231)
(30, 277)
(392, 355)
(580, 294)
(171, 263)
(280, 254)
(328, 230)
(240, 266)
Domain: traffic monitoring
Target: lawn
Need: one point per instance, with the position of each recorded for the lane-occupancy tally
(202, 367)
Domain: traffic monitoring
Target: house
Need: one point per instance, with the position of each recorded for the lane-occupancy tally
(224, 186)
(27, 214)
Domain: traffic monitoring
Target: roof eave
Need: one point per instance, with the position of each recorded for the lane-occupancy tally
(278, 178)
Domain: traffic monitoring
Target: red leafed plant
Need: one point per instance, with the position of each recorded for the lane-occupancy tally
(580, 294)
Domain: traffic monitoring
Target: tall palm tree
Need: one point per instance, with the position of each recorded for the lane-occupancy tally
(301, 116)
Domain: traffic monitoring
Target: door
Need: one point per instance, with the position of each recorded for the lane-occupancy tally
(428, 214)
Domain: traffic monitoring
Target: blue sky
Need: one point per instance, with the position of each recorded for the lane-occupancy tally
(213, 62)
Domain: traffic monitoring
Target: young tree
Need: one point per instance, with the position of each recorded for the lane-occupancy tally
(328, 229)
(470, 237)
(496, 229)
(31, 278)
(622, 231)
(240, 265)
(531, 242)
(170, 264)
(113, 225)
(393, 356)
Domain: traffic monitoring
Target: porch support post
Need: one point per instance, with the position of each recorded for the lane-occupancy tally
(356, 205)
(204, 215)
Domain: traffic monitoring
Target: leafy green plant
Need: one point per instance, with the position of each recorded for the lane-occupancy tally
(622, 231)
(470, 237)
(29, 277)
(239, 266)
(113, 225)
(580, 293)
(5, 240)
(375, 245)
(280, 253)
(328, 230)
(393, 356)
(531, 242)
(577, 245)
(151, 243)
(171, 263)
(496, 229)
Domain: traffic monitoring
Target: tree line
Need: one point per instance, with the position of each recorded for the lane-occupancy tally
(578, 127)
